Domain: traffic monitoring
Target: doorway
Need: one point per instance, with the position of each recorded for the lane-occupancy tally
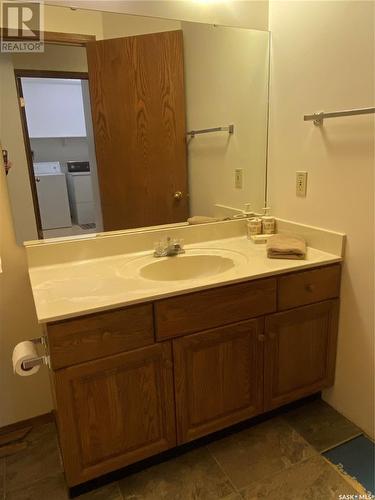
(61, 157)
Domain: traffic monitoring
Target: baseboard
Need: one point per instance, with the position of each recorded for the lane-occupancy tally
(30, 422)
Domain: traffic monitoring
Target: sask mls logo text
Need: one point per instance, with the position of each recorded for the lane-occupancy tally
(22, 26)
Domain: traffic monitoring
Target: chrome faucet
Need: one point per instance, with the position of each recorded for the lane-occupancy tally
(168, 248)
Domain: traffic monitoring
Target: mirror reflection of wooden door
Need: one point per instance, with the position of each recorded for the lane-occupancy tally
(138, 111)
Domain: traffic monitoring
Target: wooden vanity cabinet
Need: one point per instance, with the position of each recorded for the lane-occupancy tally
(218, 378)
(115, 411)
(136, 381)
(300, 352)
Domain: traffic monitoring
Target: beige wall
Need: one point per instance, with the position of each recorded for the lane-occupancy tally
(323, 59)
(116, 25)
(21, 397)
(73, 21)
(54, 58)
(250, 14)
(226, 82)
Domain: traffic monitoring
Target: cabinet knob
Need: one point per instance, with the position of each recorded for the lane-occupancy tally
(261, 338)
(309, 287)
(178, 195)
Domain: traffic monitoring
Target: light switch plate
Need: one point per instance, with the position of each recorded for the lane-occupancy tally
(238, 178)
(301, 184)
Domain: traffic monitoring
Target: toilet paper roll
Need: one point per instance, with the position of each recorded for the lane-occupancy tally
(22, 352)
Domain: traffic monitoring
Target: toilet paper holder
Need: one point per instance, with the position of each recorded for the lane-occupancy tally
(30, 363)
(39, 340)
(40, 360)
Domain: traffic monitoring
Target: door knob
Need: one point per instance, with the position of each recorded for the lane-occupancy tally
(37, 179)
(177, 195)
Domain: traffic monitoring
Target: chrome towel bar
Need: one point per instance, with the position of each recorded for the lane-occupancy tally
(318, 118)
(228, 128)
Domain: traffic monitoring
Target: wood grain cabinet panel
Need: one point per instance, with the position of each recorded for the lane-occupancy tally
(300, 352)
(218, 378)
(299, 289)
(115, 411)
(216, 307)
(98, 335)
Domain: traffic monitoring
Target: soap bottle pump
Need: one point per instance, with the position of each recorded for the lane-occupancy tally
(246, 213)
(268, 221)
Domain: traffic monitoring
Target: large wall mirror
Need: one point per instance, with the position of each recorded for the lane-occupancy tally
(150, 123)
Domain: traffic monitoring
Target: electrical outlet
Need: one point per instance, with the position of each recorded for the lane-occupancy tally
(301, 184)
(238, 178)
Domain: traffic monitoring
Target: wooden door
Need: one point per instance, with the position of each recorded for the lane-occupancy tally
(138, 111)
(218, 378)
(115, 411)
(300, 351)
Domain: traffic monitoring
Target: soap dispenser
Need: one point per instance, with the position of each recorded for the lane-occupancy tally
(254, 223)
(268, 222)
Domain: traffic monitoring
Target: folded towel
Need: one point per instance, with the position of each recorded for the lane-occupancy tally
(201, 219)
(283, 246)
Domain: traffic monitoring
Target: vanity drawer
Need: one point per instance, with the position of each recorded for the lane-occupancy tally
(99, 335)
(306, 287)
(216, 307)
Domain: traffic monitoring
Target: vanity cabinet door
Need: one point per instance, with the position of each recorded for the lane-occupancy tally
(300, 352)
(115, 411)
(218, 378)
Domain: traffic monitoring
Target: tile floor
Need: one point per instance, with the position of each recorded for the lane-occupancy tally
(278, 459)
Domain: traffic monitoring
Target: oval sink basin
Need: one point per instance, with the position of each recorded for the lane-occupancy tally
(186, 267)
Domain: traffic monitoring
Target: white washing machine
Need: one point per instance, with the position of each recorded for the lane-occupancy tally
(80, 192)
(52, 194)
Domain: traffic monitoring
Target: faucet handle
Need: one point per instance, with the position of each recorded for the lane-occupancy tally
(168, 247)
(180, 242)
(178, 245)
(159, 247)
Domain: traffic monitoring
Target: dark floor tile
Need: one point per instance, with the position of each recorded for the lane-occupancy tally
(39, 461)
(41, 433)
(260, 451)
(321, 425)
(52, 488)
(192, 476)
(313, 479)
(108, 492)
(55, 488)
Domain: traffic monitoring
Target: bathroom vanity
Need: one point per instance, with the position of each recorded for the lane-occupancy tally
(134, 380)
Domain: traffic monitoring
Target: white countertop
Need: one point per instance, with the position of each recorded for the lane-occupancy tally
(66, 290)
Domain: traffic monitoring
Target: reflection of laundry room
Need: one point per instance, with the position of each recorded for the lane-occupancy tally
(60, 148)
